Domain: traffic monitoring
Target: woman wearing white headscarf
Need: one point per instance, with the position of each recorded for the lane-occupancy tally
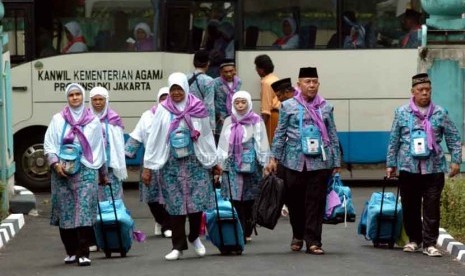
(76, 42)
(113, 134)
(150, 194)
(290, 39)
(75, 133)
(181, 145)
(243, 150)
(143, 38)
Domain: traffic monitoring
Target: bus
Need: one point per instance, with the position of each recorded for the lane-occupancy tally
(364, 84)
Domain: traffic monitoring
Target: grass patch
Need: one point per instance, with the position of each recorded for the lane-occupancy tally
(453, 208)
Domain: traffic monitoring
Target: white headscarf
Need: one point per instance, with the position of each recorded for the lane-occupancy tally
(76, 112)
(292, 23)
(257, 131)
(73, 28)
(241, 95)
(181, 80)
(143, 26)
(100, 91)
(163, 91)
(115, 136)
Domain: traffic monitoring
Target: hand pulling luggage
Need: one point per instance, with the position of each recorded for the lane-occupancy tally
(223, 225)
(114, 227)
(381, 220)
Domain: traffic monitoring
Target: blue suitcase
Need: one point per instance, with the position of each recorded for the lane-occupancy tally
(224, 228)
(381, 220)
(114, 227)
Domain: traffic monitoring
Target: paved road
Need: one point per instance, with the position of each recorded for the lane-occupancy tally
(37, 250)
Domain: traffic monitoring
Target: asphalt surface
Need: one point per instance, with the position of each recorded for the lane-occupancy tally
(37, 250)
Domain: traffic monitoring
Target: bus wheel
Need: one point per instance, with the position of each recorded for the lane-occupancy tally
(32, 170)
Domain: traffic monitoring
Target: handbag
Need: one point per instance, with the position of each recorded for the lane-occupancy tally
(418, 141)
(249, 162)
(69, 156)
(310, 137)
(181, 143)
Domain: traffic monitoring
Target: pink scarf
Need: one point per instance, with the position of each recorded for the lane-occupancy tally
(313, 109)
(230, 92)
(237, 132)
(426, 124)
(194, 108)
(86, 117)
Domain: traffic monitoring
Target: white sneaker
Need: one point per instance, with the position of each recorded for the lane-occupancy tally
(83, 261)
(157, 230)
(199, 248)
(168, 234)
(411, 247)
(93, 248)
(173, 255)
(70, 259)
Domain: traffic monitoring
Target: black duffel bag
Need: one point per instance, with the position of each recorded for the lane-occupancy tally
(267, 207)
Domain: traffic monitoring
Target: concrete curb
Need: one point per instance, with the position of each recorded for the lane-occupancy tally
(447, 242)
(10, 227)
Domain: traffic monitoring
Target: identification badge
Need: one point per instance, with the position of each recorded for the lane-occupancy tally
(419, 145)
(313, 145)
(182, 152)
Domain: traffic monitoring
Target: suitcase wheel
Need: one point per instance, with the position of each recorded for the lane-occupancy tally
(376, 244)
(239, 252)
(123, 253)
(108, 253)
(391, 245)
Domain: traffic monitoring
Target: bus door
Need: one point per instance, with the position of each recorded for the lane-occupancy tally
(177, 33)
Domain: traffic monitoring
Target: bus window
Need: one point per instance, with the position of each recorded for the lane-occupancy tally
(16, 23)
(341, 24)
(209, 25)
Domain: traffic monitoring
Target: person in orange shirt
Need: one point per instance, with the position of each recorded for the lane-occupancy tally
(269, 102)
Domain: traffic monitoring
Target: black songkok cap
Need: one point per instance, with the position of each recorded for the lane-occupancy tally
(227, 62)
(282, 84)
(201, 57)
(308, 72)
(420, 78)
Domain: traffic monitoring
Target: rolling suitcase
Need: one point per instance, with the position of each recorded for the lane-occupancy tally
(114, 227)
(381, 220)
(223, 226)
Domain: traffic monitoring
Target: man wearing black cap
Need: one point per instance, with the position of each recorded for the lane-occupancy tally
(269, 102)
(200, 84)
(283, 89)
(306, 144)
(414, 151)
(224, 88)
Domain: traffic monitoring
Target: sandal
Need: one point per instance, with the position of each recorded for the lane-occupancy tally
(296, 244)
(432, 251)
(315, 250)
(411, 247)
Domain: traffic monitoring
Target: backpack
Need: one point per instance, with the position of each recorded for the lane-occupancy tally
(267, 207)
(338, 193)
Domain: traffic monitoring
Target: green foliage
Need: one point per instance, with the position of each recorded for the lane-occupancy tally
(453, 208)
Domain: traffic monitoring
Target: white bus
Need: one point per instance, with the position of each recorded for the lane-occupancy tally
(365, 85)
